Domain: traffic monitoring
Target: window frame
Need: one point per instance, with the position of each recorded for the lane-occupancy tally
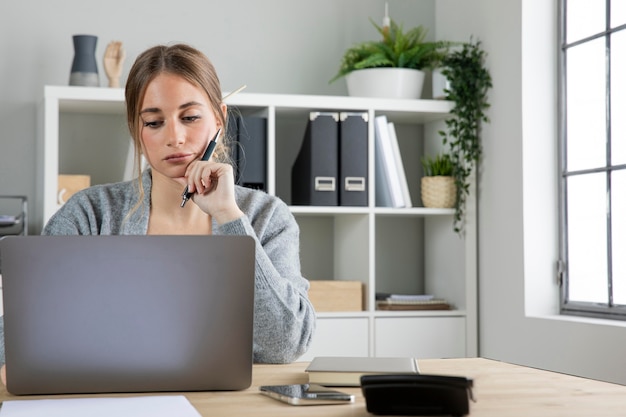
(568, 307)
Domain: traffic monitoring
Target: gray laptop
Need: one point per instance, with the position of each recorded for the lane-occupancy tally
(93, 314)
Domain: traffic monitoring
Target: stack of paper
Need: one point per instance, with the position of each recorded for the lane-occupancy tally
(146, 406)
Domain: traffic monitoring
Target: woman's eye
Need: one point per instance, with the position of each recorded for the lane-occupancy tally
(152, 124)
(191, 118)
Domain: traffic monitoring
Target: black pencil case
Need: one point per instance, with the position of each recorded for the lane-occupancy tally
(417, 395)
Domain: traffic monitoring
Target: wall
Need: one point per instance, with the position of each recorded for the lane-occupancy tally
(273, 46)
(296, 48)
(517, 197)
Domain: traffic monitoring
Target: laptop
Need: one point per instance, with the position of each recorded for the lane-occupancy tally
(104, 314)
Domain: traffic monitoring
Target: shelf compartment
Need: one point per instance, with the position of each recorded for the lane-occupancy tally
(340, 336)
(13, 215)
(412, 337)
(334, 247)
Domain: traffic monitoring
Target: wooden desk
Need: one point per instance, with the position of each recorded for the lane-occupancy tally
(500, 389)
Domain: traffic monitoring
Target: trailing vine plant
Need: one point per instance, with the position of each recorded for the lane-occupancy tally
(468, 84)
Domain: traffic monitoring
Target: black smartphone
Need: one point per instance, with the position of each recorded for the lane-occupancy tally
(306, 394)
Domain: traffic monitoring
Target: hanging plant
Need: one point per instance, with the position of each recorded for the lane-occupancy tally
(468, 84)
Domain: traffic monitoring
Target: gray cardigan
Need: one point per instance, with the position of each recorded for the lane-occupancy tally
(284, 319)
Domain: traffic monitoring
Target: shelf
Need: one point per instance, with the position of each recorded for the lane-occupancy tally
(330, 211)
(381, 211)
(111, 101)
(413, 212)
(96, 100)
(396, 250)
(392, 314)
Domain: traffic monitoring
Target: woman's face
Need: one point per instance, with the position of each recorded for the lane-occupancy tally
(177, 124)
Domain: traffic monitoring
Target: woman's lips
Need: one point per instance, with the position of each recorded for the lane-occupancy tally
(179, 157)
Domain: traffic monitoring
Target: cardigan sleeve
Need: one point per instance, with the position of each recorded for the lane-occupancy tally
(284, 317)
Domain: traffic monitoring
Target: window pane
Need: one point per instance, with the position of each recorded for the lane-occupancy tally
(586, 225)
(618, 97)
(584, 18)
(586, 112)
(618, 12)
(618, 202)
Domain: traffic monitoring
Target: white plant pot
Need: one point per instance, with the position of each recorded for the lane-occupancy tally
(386, 83)
(440, 84)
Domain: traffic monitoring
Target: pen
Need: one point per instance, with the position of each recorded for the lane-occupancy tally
(205, 157)
(233, 92)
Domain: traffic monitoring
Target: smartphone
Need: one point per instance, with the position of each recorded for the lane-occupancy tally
(306, 394)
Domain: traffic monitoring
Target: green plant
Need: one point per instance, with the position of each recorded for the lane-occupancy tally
(469, 82)
(440, 165)
(396, 49)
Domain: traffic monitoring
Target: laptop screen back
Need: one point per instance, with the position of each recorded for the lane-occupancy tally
(89, 314)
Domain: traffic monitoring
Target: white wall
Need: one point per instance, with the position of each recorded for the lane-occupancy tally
(518, 297)
(286, 46)
(273, 46)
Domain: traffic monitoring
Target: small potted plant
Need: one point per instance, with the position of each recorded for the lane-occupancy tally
(438, 183)
(393, 66)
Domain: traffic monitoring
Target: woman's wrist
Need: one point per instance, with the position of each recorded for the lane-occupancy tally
(226, 216)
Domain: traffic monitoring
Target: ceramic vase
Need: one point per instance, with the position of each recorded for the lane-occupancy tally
(84, 66)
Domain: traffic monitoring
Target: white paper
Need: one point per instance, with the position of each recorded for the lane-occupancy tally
(145, 406)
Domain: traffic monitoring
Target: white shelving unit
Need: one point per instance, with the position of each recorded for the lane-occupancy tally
(389, 250)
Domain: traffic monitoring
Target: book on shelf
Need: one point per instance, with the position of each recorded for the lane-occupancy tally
(399, 165)
(435, 304)
(410, 302)
(347, 371)
(389, 191)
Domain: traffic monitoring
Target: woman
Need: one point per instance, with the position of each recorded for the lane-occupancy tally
(174, 107)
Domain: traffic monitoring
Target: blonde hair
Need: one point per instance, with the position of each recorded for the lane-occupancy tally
(186, 62)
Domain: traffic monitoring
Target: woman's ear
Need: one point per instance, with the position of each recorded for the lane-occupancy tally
(224, 108)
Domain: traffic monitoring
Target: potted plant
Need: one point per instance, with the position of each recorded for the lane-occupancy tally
(399, 56)
(438, 183)
(468, 82)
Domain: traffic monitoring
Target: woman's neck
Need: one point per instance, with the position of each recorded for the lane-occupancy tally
(166, 214)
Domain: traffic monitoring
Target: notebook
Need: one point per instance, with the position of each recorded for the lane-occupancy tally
(347, 371)
(96, 314)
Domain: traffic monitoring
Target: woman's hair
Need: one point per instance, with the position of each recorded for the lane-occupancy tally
(186, 62)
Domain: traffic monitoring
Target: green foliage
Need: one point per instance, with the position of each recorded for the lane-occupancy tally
(469, 82)
(440, 165)
(397, 49)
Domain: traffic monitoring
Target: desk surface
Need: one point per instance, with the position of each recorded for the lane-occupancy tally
(500, 389)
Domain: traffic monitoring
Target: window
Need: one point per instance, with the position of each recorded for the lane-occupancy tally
(593, 157)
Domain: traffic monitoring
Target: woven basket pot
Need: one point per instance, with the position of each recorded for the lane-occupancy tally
(438, 192)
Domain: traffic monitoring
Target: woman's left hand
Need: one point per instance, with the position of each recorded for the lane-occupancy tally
(213, 185)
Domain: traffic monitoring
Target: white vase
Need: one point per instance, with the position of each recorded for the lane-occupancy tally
(386, 83)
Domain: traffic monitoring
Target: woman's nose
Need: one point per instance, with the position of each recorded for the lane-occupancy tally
(175, 134)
